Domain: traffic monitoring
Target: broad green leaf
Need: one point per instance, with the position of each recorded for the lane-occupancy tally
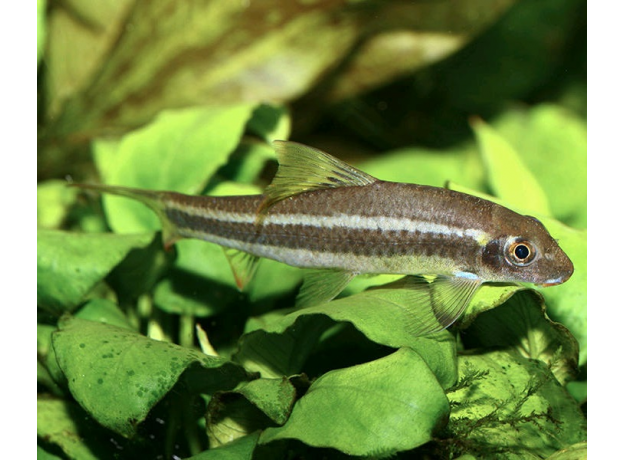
(239, 449)
(511, 407)
(42, 454)
(284, 341)
(204, 259)
(377, 408)
(139, 272)
(486, 298)
(179, 151)
(118, 375)
(69, 264)
(273, 280)
(185, 293)
(578, 390)
(576, 451)
(48, 372)
(252, 406)
(274, 397)
(65, 425)
(428, 167)
(553, 143)
(281, 351)
(245, 166)
(521, 325)
(510, 179)
(270, 122)
(41, 28)
(232, 419)
(104, 311)
(54, 199)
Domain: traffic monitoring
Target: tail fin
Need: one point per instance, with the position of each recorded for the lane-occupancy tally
(151, 198)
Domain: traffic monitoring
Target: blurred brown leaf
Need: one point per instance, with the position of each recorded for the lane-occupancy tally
(112, 66)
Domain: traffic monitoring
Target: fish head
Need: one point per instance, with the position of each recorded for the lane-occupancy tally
(526, 252)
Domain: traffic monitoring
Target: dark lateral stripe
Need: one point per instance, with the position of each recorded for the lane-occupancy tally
(316, 238)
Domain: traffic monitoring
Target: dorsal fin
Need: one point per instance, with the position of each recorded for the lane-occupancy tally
(303, 169)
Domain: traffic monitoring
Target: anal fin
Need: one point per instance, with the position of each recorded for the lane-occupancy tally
(243, 266)
(320, 286)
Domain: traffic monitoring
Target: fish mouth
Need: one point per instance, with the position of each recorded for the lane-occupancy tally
(556, 281)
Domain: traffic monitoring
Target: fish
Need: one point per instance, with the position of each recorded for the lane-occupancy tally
(336, 222)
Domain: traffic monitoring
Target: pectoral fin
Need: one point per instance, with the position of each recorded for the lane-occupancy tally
(434, 303)
(320, 286)
(303, 169)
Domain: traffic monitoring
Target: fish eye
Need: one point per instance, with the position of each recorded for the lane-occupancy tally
(520, 252)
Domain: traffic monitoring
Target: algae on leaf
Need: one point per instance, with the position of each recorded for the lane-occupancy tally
(508, 406)
(521, 325)
(118, 375)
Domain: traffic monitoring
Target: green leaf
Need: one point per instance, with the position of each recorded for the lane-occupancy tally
(553, 143)
(510, 179)
(511, 407)
(187, 146)
(282, 350)
(576, 451)
(428, 166)
(69, 264)
(245, 166)
(118, 375)
(54, 199)
(185, 293)
(41, 28)
(378, 408)
(251, 407)
(284, 341)
(64, 424)
(239, 449)
(486, 298)
(521, 325)
(274, 397)
(232, 418)
(104, 311)
(48, 372)
(42, 454)
(270, 122)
